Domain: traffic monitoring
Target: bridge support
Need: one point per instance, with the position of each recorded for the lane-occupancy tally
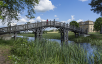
(64, 35)
(15, 33)
(38, 34)
(77, 34)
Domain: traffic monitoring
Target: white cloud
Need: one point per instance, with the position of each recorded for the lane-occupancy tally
(72, 17)
(79, 20)
(23, 20)
(83, 0)
(44, 5)
(55, 15)
(43, 20)
(69, 20)
(31, 20)
(38, 18)
(13, 24)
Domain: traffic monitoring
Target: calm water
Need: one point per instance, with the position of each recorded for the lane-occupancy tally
(87, 46)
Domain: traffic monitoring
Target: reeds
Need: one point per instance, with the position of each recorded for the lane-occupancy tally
(47, 52)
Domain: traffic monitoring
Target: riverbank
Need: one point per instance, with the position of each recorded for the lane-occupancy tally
(46, 52)
(95, 38)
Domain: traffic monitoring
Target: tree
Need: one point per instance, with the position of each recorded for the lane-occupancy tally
(96, 6)
(98, 24)
(3, 5)
(9, 24)
(74, 23)
(28, 22)
(14, 7)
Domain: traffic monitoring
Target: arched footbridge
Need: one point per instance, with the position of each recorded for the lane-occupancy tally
(38, 27)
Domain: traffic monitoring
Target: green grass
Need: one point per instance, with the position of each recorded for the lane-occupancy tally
(46, 52)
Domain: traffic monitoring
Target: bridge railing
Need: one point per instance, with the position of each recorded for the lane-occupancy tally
(39, 24)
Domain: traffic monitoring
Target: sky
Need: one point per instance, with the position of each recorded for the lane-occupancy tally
(60, 10)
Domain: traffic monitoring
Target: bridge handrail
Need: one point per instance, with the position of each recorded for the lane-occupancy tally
(41, 24)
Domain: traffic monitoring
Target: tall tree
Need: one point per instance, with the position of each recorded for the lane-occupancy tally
(74, 23)
(14, 7)
(96, 6)
(98, 24)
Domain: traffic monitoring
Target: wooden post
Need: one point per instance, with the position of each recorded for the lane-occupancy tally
(54, 22)
(50, 23)
(35, 35)
(27, 26)
(63, 24)
(41, 23)
(75, 34)
(60, 23)
(37, 23)
(10, 29)
(79, 34)
(67, 25)
(15, 35)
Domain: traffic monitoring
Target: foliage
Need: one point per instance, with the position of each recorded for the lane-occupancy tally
(98, 24)
(74, 23)
(9, 24)
(46, 52)
(4, 5)
(16, 7)
(96, 6)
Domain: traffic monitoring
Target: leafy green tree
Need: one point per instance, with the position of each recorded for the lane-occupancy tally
(96, 6)
(74, 23)
(98, 24)
(17, 6)
(2, 5)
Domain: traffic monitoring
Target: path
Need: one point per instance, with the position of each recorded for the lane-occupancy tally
(4, 53)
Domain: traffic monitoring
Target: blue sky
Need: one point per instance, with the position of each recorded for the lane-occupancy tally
(60, 10)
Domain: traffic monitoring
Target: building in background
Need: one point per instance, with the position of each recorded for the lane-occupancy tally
(87, 24)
